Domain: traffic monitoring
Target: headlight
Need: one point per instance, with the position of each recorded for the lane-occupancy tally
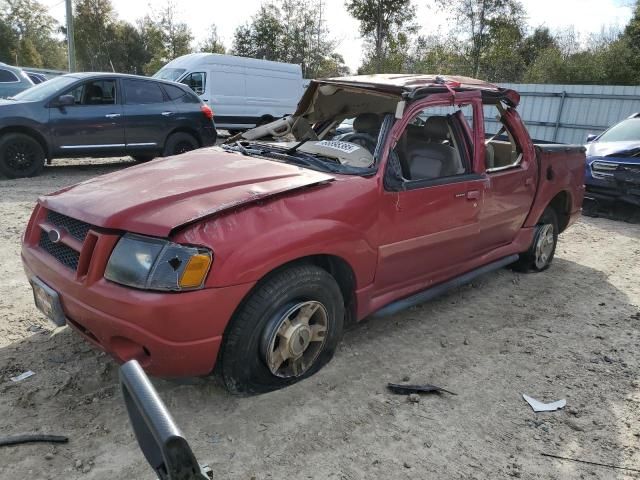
(155, 264)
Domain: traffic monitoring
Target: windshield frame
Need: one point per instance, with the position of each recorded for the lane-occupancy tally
(46, 90)
(619, 126)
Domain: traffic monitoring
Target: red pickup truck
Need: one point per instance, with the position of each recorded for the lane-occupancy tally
(254, 255)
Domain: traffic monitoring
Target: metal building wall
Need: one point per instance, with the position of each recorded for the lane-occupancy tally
(568, 113)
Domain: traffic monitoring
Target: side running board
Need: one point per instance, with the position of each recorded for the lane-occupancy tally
(426, 295)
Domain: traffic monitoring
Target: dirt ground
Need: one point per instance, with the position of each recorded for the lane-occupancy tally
(571, 332)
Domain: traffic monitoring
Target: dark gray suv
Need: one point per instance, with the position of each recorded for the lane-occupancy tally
(100, 115)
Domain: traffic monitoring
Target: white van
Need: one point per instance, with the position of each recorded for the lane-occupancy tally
(243, 92)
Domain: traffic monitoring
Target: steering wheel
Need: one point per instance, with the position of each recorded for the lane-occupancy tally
(363, 139)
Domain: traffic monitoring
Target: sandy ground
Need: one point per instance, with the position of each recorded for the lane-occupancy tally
(571, 332)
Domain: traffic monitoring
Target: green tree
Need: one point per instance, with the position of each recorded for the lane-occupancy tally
(212, 44)
(8, 41)
(501, 59)
(540, 40)
(164, 37)
(28, 35)
(632, 30)
(386, 26)
(292, 31)
(95, 26)
(475, 20)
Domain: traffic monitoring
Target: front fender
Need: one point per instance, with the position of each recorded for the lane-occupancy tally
(248, 259)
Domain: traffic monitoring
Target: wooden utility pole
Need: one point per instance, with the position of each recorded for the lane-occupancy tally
(71, 48)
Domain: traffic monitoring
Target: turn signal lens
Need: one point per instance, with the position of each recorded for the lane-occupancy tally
(195, 271)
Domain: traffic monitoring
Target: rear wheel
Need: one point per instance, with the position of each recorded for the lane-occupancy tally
(284, 332)
(540, 255)
(20, 156)
(178, 143)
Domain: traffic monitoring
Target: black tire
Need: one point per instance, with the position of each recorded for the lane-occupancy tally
(143, 158)
(178, 143)
(20, 156)
(264, 120)
(256, 325)
(543, 248)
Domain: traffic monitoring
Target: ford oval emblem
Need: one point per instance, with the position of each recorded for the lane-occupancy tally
(54, 235)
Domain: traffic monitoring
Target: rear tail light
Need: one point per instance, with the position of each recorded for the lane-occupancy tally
(206, 111)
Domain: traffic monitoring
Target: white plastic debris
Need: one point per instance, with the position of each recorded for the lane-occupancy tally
(544, 407)
(22, 376)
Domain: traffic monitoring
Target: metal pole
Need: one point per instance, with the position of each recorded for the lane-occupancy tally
(70, 39)
(555, 131)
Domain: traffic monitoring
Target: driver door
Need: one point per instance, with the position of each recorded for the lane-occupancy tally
(93, 124)
(430, 215)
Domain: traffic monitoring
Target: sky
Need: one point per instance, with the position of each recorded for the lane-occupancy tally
(586, 16)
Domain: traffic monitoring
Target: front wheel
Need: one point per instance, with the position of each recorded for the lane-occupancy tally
(178, 143)
(540, 255)
(20, 156)
(285, 331)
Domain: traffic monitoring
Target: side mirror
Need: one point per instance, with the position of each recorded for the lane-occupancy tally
(160, 440)
(64, 101)
(591, 137)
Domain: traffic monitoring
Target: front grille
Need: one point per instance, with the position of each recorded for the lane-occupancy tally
(76, 228)
(603, 170)
(65, 255)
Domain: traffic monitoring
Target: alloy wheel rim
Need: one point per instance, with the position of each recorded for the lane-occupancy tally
(297, 339)
(544, 247)
(20, 156)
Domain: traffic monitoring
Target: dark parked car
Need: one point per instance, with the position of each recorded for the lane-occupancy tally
(613, 163)
(13, 80)
(100, 115)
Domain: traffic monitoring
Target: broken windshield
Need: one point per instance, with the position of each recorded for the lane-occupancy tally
(343, 127)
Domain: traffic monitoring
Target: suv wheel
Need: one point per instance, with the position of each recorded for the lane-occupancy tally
(178, 143)
(284, 332)
(540, 255)
(20, 156)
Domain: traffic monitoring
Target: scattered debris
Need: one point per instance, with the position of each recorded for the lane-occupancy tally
(590, 463)
(409, 389)
(18, 439)
(22, 376)
(544, 407)
(414, 398)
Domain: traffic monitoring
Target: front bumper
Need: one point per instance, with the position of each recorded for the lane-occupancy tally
(170, 334)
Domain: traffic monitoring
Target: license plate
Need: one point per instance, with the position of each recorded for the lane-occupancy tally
(48, 301)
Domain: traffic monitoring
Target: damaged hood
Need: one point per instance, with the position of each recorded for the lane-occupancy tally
(160, 196)
(614, 149)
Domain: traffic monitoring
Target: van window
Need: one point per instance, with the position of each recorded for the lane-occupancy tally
(195, 81)
(7, 77)
(139, 92)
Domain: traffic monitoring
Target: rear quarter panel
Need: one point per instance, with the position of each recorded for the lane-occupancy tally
(561, 169)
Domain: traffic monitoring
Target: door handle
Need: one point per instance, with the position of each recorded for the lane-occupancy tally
(166, 114)
(112, 115)
(473, 195)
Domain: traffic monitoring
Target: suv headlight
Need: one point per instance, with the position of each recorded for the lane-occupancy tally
(156, 264)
